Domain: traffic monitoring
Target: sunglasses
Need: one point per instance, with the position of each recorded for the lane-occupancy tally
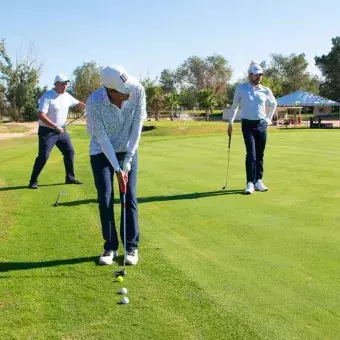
(119, 93)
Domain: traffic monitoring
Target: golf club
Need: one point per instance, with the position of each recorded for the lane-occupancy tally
(72, 121)
(59, 195)
(123, 190)
(226, 182)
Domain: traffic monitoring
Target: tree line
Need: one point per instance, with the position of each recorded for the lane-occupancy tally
(198, 83)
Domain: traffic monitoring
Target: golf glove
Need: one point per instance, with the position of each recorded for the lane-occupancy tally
(269, 121)
(127, 164)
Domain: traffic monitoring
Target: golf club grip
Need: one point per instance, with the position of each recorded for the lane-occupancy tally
(123, 187)
(229, 142)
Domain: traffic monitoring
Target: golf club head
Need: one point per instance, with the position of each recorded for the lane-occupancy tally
(59, 195)
(56, 202)
(120, 273)
(225, 187)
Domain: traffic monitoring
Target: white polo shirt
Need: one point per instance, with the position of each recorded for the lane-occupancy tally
(56, 106)
(252, 102)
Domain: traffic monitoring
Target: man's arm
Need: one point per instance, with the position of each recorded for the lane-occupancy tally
(136, 128)
(81, 106)
(236, 104)
(96, 128)
(272, 103)
(44, 104)
(75, 102)
(42, 116)
(234, 109)
(136, 131)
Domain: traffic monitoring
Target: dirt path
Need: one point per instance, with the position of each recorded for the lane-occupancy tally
(32, 129)
(31, 126)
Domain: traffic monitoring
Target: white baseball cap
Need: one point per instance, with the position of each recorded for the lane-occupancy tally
(61, 78)
(115, 77)
(255, 68)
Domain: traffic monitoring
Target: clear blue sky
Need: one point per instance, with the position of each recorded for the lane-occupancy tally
(148, 36)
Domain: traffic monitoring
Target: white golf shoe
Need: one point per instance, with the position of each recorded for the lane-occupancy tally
(250, 188)
(108, 256)
(131, 257)
(259, 186)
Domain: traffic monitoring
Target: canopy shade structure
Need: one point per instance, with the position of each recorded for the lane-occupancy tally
(303, 98)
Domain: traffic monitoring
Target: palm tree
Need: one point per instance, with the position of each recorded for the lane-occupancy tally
(172, 103)
(207, 100)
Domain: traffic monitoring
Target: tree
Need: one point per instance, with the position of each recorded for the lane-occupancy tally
(3, 106)
(21, 81)
(192, 73)
(154, 96)
(207, 101)
(31, 108)
(287, 74)
(330, 67)
(168, 81)
(274, 84)
(172, 103)
(218, 75)
(188, 98)
(212, 73)
(230, 91)
(87, 79)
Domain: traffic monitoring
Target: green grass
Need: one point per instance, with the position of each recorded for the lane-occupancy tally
(213, 264)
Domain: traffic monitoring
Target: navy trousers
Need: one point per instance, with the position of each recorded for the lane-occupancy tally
(103, 174)
(255, 137)
(48, 138)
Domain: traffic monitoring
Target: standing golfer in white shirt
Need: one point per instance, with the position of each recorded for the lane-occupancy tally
(252, 98)
(115, 115)
(52, 113)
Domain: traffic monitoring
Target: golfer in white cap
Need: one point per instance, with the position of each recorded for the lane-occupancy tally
(115, 115)
(253, 99)
(52, 113)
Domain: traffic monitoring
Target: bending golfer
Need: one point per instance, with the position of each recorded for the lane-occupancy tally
(53, 110)
(115, 115)
(253, 98)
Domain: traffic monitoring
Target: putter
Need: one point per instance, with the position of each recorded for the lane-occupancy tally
(83, 114)
(59, 195)
(123, 190)
(226, 182)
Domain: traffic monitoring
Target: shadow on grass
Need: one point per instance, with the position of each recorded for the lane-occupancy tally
(26, 186)
(8, 266)
(194, 195)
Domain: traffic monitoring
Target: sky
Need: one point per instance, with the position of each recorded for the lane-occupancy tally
(149, 36)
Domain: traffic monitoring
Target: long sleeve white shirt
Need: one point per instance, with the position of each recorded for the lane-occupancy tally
(252, 102)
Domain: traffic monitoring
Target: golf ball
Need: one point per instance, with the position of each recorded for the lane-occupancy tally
(123, 291)
(125, 300)
(120, 279)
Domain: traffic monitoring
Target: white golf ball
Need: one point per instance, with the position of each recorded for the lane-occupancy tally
(123, 291)
(125, 300)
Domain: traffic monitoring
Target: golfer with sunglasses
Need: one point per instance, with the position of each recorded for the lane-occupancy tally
(115, 115)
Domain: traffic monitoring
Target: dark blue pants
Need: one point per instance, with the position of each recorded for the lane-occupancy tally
(103, 174)
(255, 137)
(48, 138)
